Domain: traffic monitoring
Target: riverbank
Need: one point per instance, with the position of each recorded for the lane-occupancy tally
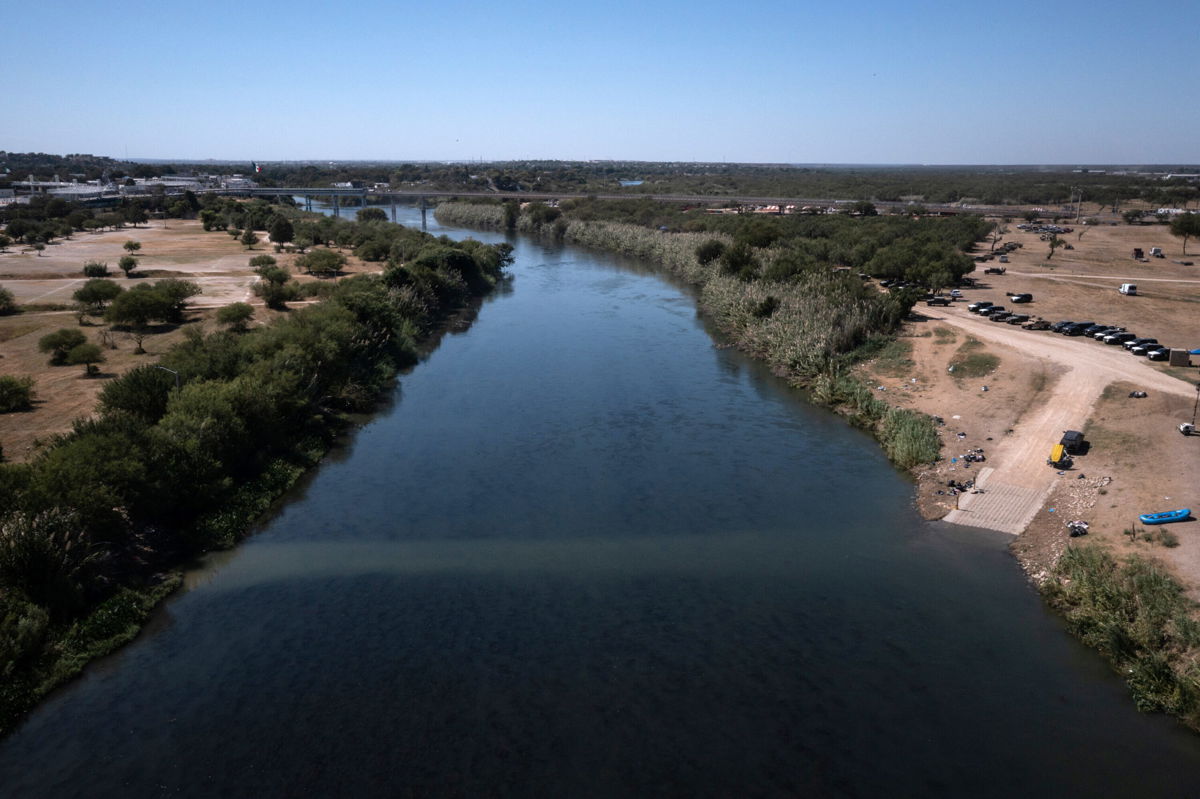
(988, 409)
(197, 446)
(810, 331)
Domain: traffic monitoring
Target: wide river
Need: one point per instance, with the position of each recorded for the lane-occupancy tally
(586, 552)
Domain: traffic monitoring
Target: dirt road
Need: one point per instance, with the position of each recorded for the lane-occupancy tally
(1018, 480)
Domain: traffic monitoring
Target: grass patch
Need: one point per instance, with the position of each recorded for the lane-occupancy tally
(16, 329)
(1139, 618)
(1111, 441)
(944, 335)
(894, 359)
(972, 360)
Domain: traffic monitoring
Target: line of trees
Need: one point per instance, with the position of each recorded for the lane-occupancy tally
(180, 459)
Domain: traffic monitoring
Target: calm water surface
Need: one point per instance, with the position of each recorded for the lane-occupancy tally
(585, 552)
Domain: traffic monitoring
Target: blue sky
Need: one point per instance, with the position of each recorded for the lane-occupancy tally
(802, 82)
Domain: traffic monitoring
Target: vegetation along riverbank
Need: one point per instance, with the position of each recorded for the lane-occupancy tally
(785, 289)
(183, 455)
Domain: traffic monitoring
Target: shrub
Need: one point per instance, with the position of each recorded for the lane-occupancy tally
(710, 251)
(16, 393)
(236, 316)
(8, 303)
(47, 558)
(322, 262)
(95, 269)
(59, 343)
(260, 261)
(141, 392)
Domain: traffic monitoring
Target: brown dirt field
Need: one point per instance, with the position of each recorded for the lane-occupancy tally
(1138, 461)
(214, 260)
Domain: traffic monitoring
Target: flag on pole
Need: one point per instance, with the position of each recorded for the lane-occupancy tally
(257, 167)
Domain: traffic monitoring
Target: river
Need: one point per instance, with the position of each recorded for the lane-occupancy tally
(583, 551)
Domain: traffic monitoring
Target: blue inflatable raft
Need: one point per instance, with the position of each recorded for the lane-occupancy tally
(1166, 516)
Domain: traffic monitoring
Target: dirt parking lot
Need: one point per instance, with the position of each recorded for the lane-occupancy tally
(1040, 381)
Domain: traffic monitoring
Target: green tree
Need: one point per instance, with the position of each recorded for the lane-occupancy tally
(1185, 226)
(39, 248)
(1055, 242)
(259, 261)
(127, 264)
(88, 355)
(739, 261)
(236, 316)
(132, 246)
(135, 309)
(281, 230)
(322, 262)
(135, 214)
(16, 393)
(175, 293)
(8, 303)
(275, 275)
(95, 294)
(372, 215)
(248, 238)
(142, 392)
(59, 343)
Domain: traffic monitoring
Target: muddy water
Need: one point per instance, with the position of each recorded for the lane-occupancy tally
(584, 552)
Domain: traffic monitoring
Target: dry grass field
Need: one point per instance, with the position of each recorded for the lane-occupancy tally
(176, 248)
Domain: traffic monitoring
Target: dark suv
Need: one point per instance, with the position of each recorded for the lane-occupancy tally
(1077, 328)
(1119, 338)
(979, 307)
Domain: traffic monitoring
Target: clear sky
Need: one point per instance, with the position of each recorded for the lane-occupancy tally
(798, 81)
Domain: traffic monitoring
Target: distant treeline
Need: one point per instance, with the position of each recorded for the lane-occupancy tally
(175, 464)
(990, 185)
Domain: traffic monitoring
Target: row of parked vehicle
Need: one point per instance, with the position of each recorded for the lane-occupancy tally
(1109, 334)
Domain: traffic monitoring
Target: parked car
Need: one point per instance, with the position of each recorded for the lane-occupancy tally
(1021, 297)
(1003, 259)
(1077, 328)
(999, 317)
(1107, 331)
(1160, 354)
(938, 301)
(1129, 289)
(992, 311)
(1057, 327)
(1138, 342)
(1036, 324)
(1119, 338)
(979, 306)
(956, 294)
(1017, 318)
(994, 270)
